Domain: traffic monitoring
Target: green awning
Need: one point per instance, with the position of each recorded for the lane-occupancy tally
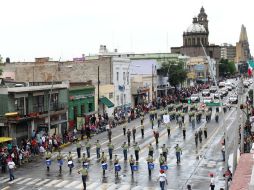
(106, 102)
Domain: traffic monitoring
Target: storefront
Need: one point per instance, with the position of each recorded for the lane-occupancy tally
(81, 103)
(142, 95)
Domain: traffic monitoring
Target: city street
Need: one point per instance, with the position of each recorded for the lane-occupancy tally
(194, 169)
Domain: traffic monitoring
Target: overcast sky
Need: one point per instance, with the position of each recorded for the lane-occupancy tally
(69, 28)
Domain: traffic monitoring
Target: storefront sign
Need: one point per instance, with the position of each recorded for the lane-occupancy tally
(77, 97)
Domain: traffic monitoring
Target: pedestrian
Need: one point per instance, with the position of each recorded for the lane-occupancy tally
(78, 144)
(184, 131)
(178, 153)
(11, 166)
(88, 148)
(136, 150)
(200, 135)
(103, 160)
(188, 187)
(205, 131)
(109, 134)
(125, 149)
(156, 136)
(150, 150)
(168, 128)
(59, 158)
(142, 127)
(110, 150)
(132, 162)
(180, 122)
(196, 139)
(84, 174)
(223, 152)
(116, 162)
(164, 151)
(162, 179)
(162, 160)
(124, 129)
(212, 182)
(134, 133)
(149, 161)
(98, 149)
(129, 137)
(85, 160)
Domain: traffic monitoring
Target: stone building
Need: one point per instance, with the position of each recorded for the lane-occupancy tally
(195, 35)
(228, 51)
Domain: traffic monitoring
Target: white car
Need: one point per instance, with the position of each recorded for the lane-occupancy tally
(221, 84)
(217, 94)
(250, 81)
(194, 98)
(213, 89)
(233, 99)
(208, 99)
(206, 92)
(229, 87)
(246, 83)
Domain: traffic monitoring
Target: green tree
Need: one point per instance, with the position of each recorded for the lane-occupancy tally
(226, 67)
(175, 72)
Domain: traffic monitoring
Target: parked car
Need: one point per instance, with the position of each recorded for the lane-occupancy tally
(213, 89)
(233, 99)
(206, 92)
(195, 98)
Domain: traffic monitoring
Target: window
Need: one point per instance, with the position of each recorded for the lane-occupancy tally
(124, 77)
(117, 99)
(124, 98)
(121, 99)
(90, 107)
(38, 103)
(53, 101)
(117, 76)
(110, 95)
(75, 113)
(128, 78)
(82, 109)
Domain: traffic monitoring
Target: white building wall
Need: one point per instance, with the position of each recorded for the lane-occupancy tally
(121, 77)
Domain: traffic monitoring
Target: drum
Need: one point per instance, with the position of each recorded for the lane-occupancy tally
(48, 162)
(135, 167)
(117, 167)
(164, 167)
(151, 166)
(70, 164)
(104, 166)
(60, 162)
(86, 165)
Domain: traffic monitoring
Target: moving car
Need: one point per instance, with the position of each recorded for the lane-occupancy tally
(224, 92)
(195, 98)
(206, 92)
(233, 99)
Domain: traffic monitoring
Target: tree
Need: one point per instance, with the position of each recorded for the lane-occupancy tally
(175, 72)
(226, 67)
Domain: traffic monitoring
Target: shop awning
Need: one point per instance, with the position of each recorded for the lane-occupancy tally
(106, 102)
(5, 139)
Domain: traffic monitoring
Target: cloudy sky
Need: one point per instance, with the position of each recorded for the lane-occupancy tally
(69, 28)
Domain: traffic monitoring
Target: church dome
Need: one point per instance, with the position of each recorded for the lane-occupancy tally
(196, 28)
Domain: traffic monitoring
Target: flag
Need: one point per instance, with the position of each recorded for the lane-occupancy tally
(250, 67)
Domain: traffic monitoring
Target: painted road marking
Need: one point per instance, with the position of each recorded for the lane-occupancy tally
(62, 183)
(92, 186)
(53, 182)
(15, 180)
(24, 181)
(33, 181)
(42, 182)
(74, 183)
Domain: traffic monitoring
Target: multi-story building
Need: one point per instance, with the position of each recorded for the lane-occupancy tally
(195, 35)
(228, 51)
(199, 71)
(26, 107)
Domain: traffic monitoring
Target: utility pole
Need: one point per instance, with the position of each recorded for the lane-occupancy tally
(223, 118)
(152, 82)
(98, 87)
(236, 134)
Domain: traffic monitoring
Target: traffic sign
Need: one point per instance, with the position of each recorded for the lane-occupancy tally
(213, 104)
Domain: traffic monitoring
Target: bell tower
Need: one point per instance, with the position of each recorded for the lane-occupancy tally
(202, 19)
